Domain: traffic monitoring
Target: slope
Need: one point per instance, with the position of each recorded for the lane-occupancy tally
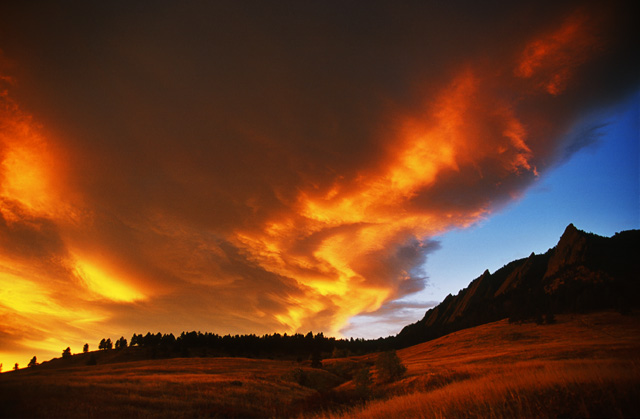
(583, 272)
(585, 365)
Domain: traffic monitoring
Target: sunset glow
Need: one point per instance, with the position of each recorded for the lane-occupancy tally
(106, 284)
(273, 180)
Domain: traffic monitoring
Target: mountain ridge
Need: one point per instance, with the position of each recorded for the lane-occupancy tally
(583, 272)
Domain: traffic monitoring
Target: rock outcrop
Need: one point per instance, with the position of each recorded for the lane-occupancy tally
(582, 272)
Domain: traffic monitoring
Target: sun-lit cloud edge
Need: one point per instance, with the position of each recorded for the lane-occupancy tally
(359, 217)
(47, 294)
(345, 248)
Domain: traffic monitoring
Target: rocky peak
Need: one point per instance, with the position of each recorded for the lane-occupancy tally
(583, 272)
(570, 250)
(570, 233)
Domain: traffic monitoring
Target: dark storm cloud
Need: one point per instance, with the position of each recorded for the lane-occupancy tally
(253, 166)
(27, 237)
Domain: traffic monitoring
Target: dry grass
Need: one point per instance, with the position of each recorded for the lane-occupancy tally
(208, 387)
(531, 389)
(585, 366)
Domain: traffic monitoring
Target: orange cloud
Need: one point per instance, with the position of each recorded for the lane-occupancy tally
(552, 59)
(344, 230)
(104, 283)
(30, 166)
(45, 292)
(262, 185)
(469, 128)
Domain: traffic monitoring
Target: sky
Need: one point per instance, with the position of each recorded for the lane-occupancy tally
(597, 190)
(253, 167)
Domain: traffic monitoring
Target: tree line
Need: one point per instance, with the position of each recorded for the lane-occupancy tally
(269, 345)
(296, 346)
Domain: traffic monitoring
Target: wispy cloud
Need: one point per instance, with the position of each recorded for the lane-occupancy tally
(251, 170)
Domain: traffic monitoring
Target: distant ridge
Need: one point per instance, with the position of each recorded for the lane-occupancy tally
(583, 272)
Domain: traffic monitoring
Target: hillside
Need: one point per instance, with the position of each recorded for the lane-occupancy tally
(583, 272)
(583, 365)
(477, 354)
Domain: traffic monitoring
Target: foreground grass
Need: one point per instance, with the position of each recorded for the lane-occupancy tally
(532, 389)
(205, 387)
(583, 366)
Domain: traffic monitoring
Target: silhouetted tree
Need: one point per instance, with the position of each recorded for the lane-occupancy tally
(105, 344)
(121, 343)
(206, 344)
(151, 340)
(389, 366)
(33, 362)
(168, 340)
(15, 367)
(85, 348)
(66, 353)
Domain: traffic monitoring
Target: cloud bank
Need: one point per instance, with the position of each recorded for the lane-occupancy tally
(253, 169)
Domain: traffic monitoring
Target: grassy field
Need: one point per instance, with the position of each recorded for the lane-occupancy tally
(191, 387)
(584, 365)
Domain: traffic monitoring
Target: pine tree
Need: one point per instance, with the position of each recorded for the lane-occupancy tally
(121, 343)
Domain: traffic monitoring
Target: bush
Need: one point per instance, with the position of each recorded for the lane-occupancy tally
(299, 376)
(389, 367)
(362, 380)
(316, 359)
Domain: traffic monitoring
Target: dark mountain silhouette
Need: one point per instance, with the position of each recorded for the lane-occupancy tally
(583, 272)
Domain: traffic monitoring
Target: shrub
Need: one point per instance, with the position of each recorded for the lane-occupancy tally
(299, 376)
(362, 380)
(316, 359)
(389, 367)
